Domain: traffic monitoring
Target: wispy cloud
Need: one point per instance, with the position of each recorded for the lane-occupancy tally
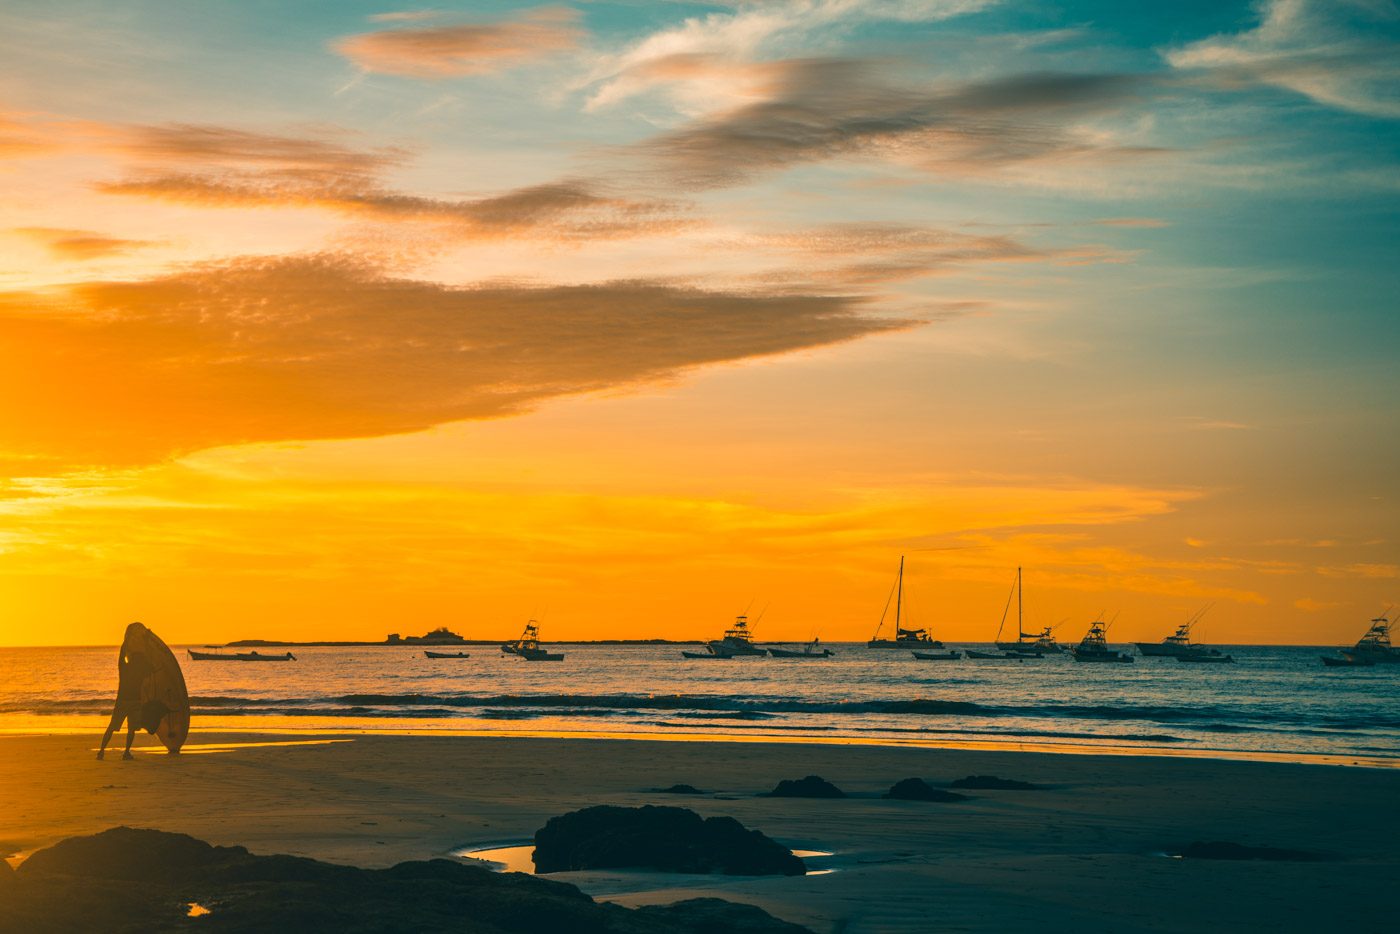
(1339, 53)
(829, 108)
(870, 253)
(221, 167)
(707, 59)
(437, 52)
(81, 244)
(326, 346)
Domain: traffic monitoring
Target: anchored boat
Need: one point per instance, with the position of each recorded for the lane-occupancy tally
(528, 646)
(1375, 645)
(903, 638)
(1027, 644)
(428, 654)
(253, 656)
(812, 649)
(738, 640)
(1178, 645)
(1094, 646)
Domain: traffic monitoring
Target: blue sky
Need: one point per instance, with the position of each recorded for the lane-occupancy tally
(1139, 251)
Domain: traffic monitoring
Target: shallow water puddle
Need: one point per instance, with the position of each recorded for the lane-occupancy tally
(197, 911)
(520, 858)
(202, 749)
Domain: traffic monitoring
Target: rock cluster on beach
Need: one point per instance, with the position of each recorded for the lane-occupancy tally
(813, 786)
(916, 789)
(992, 783)
(666, 838)
(148, 881)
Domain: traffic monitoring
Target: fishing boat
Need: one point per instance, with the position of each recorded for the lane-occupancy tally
(738, 640)
(1375, 645)
(253, 656)
(1345, 661)
(903, 638)
(812, 649)
(428, 654)
(1094, 646)
(936, 656)
(1027, 644)
(528, 646)
(1179, 644)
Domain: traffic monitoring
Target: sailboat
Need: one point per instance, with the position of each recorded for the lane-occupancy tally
(1027, 645)
(903, 638)
(1094, 646)
(528, 646)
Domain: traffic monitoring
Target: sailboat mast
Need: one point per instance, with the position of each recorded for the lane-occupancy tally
(899, 596)
(1020, 626)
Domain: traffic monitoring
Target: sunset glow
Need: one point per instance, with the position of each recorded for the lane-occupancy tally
(335, 320)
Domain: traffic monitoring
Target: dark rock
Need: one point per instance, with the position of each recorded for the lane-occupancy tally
(992, 783)
(678, 790)
(106, 855)
(665, 838)
(916, 789)
(813, 786)
(717, 916)
(131, 881)
(1219, 849)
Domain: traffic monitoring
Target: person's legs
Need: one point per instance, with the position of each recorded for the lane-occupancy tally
(130, 735)
(112, 725)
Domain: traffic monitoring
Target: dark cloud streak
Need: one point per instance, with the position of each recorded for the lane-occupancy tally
(311, 347)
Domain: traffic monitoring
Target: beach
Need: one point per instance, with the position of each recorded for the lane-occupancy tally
(1086, 851)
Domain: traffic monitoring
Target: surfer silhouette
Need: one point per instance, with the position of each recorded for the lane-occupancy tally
(132, 669)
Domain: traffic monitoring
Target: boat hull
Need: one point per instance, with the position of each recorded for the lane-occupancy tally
(904, 644)
(1344, 662)
(446, 655)
(1103, 657)
(789, 653)
(989, 656)
(1158, 650)
(937, 656)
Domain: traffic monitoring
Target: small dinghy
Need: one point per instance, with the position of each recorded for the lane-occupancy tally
(812, 649)
(240, 657)
(936, 656)
(428, 654)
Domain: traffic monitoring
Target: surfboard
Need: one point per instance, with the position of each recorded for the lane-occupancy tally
(165, 702)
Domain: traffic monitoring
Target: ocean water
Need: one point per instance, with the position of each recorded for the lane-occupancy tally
(1273, 700)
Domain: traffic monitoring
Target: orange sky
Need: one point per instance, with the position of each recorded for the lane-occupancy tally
(472, 317)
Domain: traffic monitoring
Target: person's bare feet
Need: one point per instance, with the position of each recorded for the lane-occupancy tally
(128, 755)
(100, 754)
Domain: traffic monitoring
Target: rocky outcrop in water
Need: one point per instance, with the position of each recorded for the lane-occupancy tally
(813, 786)
(665, 838)
(126, 880)
(681, 789)
(916, 789)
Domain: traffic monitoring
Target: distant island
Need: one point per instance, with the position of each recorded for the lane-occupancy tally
(444, 636)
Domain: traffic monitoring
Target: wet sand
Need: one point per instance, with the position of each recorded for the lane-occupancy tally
(1082, 854)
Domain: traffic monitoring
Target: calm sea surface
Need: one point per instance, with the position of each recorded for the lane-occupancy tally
(1275, 699)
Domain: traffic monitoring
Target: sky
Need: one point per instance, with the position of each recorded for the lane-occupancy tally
(329, 320)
